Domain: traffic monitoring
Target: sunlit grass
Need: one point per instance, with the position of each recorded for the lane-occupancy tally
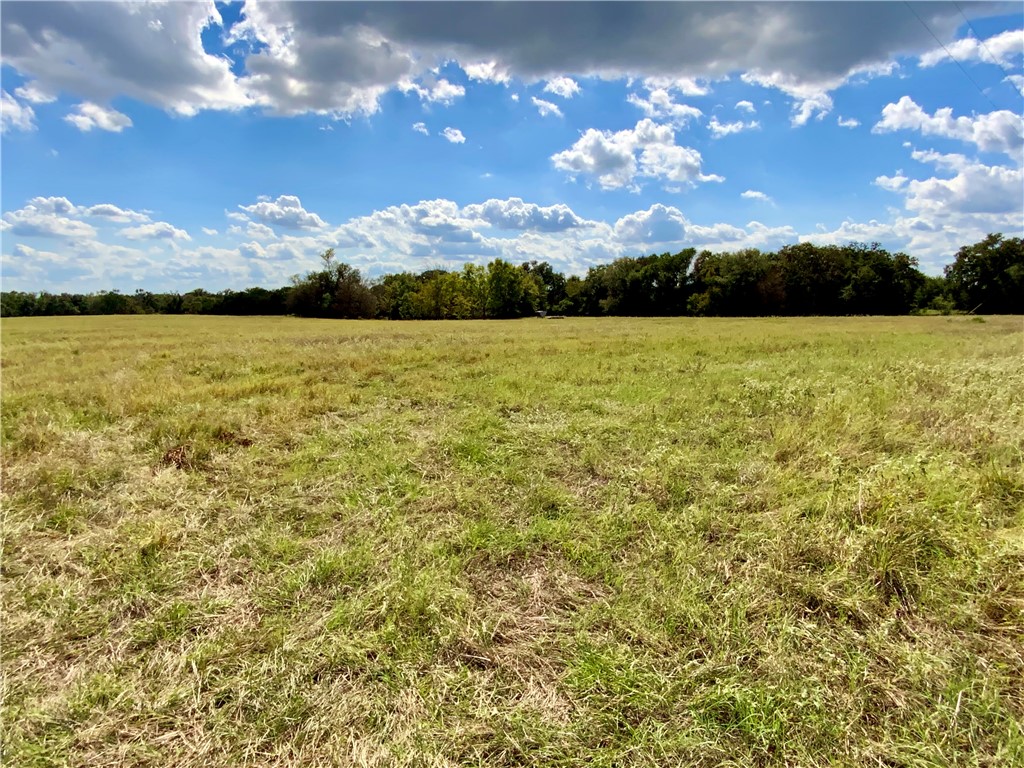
(579, 542)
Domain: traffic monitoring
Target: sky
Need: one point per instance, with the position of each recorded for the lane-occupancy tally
(183, 145)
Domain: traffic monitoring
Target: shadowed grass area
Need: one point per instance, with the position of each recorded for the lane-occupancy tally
(600, 542)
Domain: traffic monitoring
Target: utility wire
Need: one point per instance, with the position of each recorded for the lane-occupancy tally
(981, 42)
(954, 58)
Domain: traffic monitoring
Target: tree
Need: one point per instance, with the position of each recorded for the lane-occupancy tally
(552, 284)
(511, 292)
(475, 290)
(989, 275)
(439, 296)
(337, 290)
(393, 294)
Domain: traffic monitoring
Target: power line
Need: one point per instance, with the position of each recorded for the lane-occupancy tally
(948, 53)
(981, 42)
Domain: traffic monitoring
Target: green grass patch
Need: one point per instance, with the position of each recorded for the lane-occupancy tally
(596, 542)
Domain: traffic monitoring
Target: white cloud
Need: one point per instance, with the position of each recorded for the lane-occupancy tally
(687, 86)
(252, 250)
(487, 71)
(753, 194)
(439, 91)
(658, 224)
(847, 122)
(810, 99)
(999, 131)
(514, 97)
(67, 47)
(962, 202)
(421, 128)
(1005, 47)
(892, 183)
(718, 130)
(514, 214)
(663, 226)
(286, 212)
(15, 116)
(660, 105)
(32, 93)
(454, 135)
(209, 231)
(563, 86)
(546, 107)
(973, 188)
(745, 106)
(58, 205)
(114, 214)
(615, 159)
(46, 217)
(158, 230)
(259, 231)
(339, 59)
(89, 116)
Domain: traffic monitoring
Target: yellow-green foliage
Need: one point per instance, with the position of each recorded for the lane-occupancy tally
(585, 542)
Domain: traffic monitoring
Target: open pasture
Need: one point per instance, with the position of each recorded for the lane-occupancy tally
(584, 542)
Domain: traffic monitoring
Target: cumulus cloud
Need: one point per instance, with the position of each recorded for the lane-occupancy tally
(286, 212)
(79, 48)
(259, 231)
(847, 122)
(972, 187)
(999, 131)
(47, 217)
(616, 159)
(15, 116)
(718, 130)
(31, 92)
(157, 230)
(339, 59)
(663, 226)
(658, 224)
(686, 86)
(487, 71)
(113, 213)
(1000, 49)
(810, 98)
(546, 107)
(959, 200)
(514, 214)
(421, 128)
(58, 205)
(454, 135)
(745, 106)
(209, 231)
(252, 250)
(434, 91)
(563, 86)
(753, 194)
(892, 183)
(88, 116)
(660, 105)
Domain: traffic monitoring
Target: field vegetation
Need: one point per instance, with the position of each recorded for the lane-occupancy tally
(579, 542)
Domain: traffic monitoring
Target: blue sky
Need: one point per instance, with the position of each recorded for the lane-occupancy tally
(185, 145)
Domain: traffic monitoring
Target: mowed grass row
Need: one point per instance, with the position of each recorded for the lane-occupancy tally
(600, 542)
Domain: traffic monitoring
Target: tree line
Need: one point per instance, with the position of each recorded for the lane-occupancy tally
(802, 279)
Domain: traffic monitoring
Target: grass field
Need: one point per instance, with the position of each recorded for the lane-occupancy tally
(585, 542)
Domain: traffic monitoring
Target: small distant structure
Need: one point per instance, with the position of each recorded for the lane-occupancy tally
(541, 313)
